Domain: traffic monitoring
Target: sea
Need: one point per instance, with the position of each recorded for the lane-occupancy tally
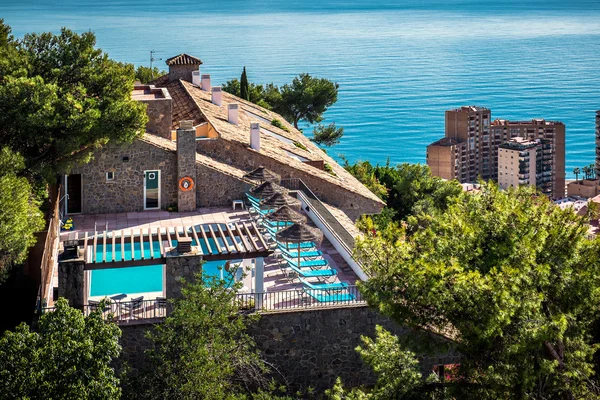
(400, 64)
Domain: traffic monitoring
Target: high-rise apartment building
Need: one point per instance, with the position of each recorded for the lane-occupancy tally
(469, 149)
(520, 162)
(598, 143)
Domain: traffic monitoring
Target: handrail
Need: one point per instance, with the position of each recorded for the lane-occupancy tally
(335, 227)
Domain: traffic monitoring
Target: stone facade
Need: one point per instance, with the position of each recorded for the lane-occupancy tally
(159, 107)
(311, 348)
(71, 282)
(186, 166)
(178, 267)
(126, 192)
(353, 204)
(183, 72)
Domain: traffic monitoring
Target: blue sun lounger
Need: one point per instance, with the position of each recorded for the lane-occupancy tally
(324, 286)
(294, 246)
(319, 296)
(303, 254)
(306, 263)
(310, 273)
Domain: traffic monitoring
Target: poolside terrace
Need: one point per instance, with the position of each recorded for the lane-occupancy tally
(280, 289)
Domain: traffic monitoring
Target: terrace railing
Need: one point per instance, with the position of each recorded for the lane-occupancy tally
(298, 299)
(127, 312)
(331, 222)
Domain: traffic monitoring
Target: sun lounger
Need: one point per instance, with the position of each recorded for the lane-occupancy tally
(294, 246)
(306, 263)
(304, 254)
(310, 273)
(324, 286)
(322, 296)
(118, 297)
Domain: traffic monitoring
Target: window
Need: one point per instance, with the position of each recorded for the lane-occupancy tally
(110, 176)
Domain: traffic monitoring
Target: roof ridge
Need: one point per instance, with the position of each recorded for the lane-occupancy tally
(183, 59)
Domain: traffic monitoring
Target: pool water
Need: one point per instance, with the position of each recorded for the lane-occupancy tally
(132, 280)
(108, 282)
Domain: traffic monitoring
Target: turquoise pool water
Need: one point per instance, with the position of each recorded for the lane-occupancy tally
(108, 282)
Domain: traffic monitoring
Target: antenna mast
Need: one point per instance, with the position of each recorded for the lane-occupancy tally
(152, 59)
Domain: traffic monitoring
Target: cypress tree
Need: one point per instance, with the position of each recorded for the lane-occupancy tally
(244, 86)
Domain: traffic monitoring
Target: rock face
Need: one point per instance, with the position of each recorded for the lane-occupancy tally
(311, 348)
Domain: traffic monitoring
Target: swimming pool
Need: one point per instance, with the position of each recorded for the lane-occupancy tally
(132, 280)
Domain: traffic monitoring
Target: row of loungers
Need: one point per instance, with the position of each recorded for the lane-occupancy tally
(312, 265)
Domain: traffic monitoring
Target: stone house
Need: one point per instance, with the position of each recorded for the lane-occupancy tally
(223, 138)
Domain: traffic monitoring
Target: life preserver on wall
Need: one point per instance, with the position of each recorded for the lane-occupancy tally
(186, 184)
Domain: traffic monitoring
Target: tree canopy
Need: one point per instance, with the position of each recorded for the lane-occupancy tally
(20, 216)
(61, 98)
(244, 86)
(67, 357)
(202, 350)
(510, 277)
(329, 135)
(147, 74)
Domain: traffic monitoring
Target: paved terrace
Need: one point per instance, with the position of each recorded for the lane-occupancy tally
(275, 279)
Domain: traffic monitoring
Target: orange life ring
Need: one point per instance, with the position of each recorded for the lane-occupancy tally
(186, 184)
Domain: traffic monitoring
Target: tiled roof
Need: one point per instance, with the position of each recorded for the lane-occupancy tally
(184, 107)
(271, 146)
(209, 162)
(184, 59)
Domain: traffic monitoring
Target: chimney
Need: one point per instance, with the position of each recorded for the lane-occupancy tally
(216, 95)
(206, 83)
(233, 113)
(186, 166)
(196, 77)
(255, 136)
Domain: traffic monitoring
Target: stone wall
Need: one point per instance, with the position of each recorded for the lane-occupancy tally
(214, 189)
(180, 267)
(159, 116)
(71, 282)
(186, 165)
(312, 347)
(126, 192)
(351, 203)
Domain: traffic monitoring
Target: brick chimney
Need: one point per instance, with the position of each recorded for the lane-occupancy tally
(182, 67)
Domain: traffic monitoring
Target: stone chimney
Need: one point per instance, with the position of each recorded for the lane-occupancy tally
(216, 95)
(182, 67)
(255, 136)
(196, 77)
(159, 108)
(186, 167)
(233, 113)
(206, 83)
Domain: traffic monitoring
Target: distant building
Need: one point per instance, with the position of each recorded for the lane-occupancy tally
(470, 147)
(519, 161)
(584, 188)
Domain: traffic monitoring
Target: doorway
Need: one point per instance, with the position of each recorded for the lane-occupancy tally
(74, 191)
(151, 190)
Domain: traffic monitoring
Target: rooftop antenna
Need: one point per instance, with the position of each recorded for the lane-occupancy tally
(152, 59)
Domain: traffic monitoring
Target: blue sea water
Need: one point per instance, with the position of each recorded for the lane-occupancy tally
(399, 64)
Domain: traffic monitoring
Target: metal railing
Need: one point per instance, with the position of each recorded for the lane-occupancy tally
(296, 299)
(123, 312)
(335, 227)
(301, 298)
(50, 252)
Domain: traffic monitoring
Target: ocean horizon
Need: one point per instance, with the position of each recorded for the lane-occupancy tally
(399, 64)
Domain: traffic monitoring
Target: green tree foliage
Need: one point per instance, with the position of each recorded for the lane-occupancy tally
(265, 96)
(68, 357)
(244, 86)
(147, 74)
(329, 135)
(576, 172)
(202, 350)
(20, 216)
(365, 173)
(511, 278)
(62, 98)
(306, 99)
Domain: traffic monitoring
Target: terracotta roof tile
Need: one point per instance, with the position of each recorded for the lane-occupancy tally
(184, 59)
(271, 146)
